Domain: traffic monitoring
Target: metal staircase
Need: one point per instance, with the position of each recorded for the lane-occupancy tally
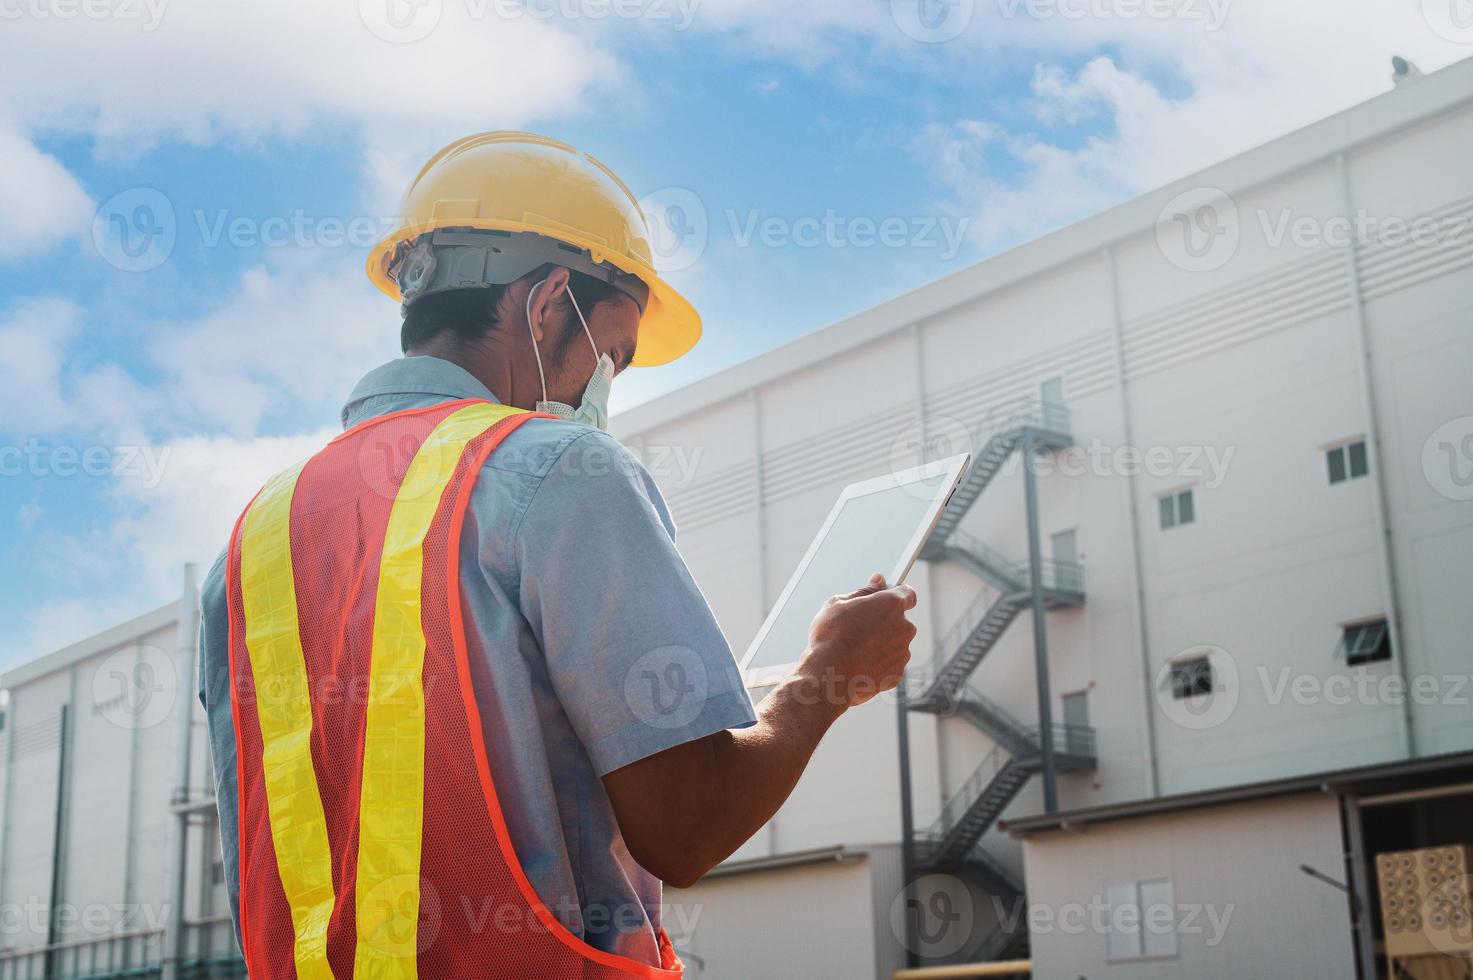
(978, 629)
(953, 841)
(1049, 421)
(976, 805)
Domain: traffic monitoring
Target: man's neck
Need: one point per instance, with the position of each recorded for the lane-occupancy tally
(482, 360)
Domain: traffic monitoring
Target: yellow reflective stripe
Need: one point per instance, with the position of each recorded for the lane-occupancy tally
(391, 798)
(273, 639)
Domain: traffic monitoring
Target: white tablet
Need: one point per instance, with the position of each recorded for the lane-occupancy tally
(880, 526)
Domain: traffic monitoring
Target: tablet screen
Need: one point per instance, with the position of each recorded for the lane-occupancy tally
(872, 533)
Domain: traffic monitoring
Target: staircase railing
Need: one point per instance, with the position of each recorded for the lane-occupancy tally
(1039, 413)
(975, 785)
(1070, 742)
(1058, 575)
(993, 719)
(955, 638)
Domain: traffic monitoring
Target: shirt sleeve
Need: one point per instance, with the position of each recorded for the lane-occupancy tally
(633, 650)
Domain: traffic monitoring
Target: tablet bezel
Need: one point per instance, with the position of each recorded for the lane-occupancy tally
(952, 467)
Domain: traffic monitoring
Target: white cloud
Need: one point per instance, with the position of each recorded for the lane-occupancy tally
(133, 562)
(205, 73)
(42, 202)
(1272, 68)
(295, 335)
(33, 340)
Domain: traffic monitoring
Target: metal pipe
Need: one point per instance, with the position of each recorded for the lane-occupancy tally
(6, 818)
(902, 711)
(58, 839)
(187, 643)
(1040, 636)
(1414, 795)
(1002, 968)
(1139, 610)
(130, 815)
(1360, 884)
(1390, 594)
(907, 827)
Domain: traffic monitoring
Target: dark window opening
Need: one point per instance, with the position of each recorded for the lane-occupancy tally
(1366, 643)
(1190, 678)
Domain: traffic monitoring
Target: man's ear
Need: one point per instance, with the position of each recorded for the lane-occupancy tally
(544, 300)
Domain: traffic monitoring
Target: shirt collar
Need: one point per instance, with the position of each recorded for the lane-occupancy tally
(419, 375)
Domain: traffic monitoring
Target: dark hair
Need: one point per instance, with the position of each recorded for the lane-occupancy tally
(470, 314)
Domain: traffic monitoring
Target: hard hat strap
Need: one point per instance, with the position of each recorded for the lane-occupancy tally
(471, 258)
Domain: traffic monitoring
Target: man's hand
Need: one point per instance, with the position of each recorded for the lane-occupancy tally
(859, 643)
(685, 810)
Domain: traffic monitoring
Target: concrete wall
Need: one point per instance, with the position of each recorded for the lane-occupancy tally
(814, 921)
(1256, 915)
(117, 827)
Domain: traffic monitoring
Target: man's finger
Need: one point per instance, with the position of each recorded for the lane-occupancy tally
(875, 584)
(907, 595)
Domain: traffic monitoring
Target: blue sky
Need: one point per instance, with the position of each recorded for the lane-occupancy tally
(263, 145)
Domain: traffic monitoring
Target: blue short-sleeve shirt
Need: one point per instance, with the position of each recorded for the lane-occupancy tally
(601, 651)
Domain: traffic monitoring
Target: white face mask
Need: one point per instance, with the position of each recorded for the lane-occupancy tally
(594, 408)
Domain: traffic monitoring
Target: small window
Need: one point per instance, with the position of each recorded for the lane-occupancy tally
(1177, 509)
(1347, 462)
(1365, 643)
(1190, 678)
(1141, 922)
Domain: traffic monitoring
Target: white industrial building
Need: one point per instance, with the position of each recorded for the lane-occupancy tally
(1249, 401)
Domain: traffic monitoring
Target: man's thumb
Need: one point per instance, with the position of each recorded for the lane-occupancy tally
(875, 584)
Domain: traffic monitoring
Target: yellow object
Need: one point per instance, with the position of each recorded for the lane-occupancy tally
(391, 801)
(520, 182)
(298, 827)
(1004, 968)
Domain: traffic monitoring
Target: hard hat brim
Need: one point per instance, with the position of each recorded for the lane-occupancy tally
(668, 329)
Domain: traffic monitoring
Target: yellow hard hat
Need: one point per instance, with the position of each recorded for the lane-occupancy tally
(524, 183)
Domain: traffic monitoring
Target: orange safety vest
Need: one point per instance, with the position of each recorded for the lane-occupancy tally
(349, 683)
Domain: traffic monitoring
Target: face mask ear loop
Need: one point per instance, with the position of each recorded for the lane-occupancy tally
(586, 332)
(533, 334)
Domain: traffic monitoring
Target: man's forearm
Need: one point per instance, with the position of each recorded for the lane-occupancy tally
(718, 791)
(758, 767)
(685, 810)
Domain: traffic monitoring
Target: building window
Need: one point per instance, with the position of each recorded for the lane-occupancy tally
(1365, 643)
(1177, 509)
(1141, 922)
(1191, 678)
(1347, 462)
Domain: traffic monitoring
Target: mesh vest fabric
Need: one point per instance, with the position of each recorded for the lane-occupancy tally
(371, 840)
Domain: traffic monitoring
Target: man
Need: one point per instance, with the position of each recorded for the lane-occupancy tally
(466, 704)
